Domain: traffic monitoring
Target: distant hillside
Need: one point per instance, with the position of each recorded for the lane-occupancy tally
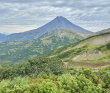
(2, 36)
(100, 32)
(93, 48)
(21, 51)
(58, 23)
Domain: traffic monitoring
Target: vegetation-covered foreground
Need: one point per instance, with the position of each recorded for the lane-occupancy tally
(43, 75)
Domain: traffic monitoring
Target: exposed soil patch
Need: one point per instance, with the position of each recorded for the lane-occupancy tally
(86, 64)
(90, 56)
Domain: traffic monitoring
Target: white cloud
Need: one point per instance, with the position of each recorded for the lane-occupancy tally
(38, 12)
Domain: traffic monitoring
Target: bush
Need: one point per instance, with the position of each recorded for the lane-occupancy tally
(17, 85)
(33, 68)
(51, 84)
(46, 87)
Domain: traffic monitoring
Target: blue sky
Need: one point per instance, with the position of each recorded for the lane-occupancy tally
(23, 15)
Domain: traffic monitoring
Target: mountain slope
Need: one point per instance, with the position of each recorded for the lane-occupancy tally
(21, 51)
(58, 23)
(2, 36)
(100, 32)
(93, 48)
(61, 22)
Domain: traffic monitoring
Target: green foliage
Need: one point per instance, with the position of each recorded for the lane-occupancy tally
(104, 75)
(33, 68)
(73, 52)
(108, 46)
(62, 84)
(17, 85)
(59, 50)
(46, 87)
(101, 77)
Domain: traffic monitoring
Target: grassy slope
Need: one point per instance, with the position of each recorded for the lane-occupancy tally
(21, 51)
(95, 49)
(100, 32)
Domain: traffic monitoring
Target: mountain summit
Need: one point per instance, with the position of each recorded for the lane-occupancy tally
(61, 22)
(58, 23)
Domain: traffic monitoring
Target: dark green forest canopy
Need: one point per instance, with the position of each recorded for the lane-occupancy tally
(33, 67)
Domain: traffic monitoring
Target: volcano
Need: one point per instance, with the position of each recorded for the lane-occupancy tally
(58, 23)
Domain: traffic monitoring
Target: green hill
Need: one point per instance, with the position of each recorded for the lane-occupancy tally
(21, 51)
(95, 49)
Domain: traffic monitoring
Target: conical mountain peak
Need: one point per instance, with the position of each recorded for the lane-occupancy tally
(61, 22)
(58, 23)
(60, 18)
